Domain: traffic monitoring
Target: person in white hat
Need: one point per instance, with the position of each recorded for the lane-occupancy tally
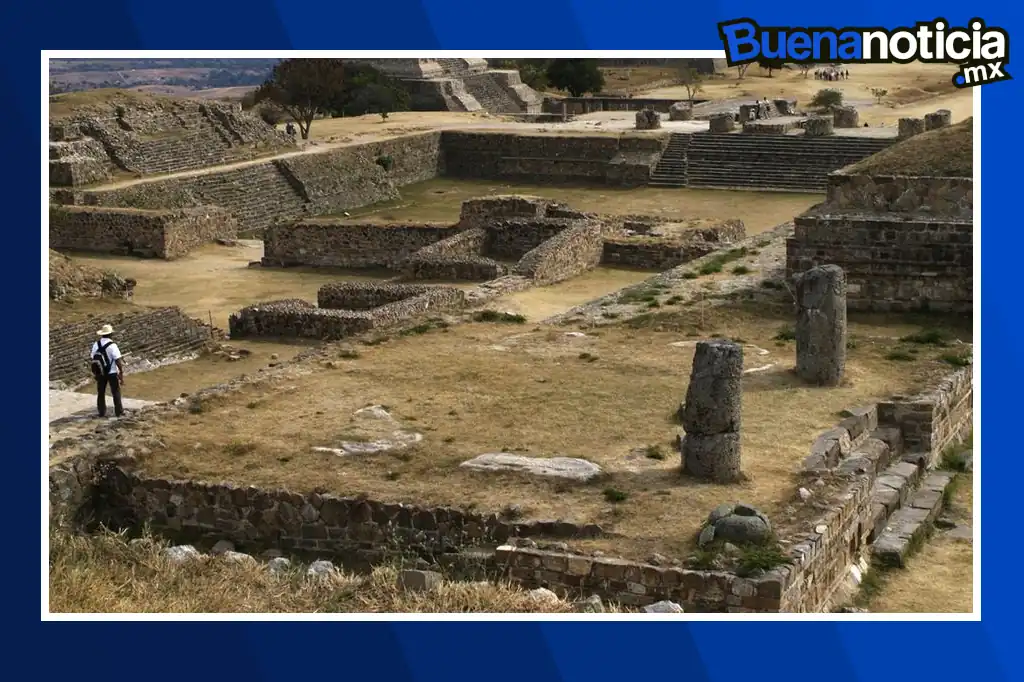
(108, 370)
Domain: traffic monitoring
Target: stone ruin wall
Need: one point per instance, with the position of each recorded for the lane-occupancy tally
(620, 160)
(905, 243)
(282, 190)
(335, 243)
(164, 234)
(146, 339)
(665, 253)
(883, 451)
(345, 310)
(158, 136)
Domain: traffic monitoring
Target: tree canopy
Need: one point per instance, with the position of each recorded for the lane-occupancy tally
(577, 76)
(304, 88)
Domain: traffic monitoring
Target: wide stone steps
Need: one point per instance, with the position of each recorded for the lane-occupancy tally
(776, 162)
(911, 523)
(672, 168)
(490, 95)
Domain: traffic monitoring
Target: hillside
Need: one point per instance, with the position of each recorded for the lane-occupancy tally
(946, 152)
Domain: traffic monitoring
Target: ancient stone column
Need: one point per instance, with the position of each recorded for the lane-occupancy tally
(938, 119)
(821, 325)
(908, 127)
(846, 117)
(680, 111)
(711, 414)
(818, 126)
(721, 123)
(648, 119)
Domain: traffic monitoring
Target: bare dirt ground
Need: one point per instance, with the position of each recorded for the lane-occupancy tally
(913, 90)
(441, 199)
(539, 391)
(215, 281)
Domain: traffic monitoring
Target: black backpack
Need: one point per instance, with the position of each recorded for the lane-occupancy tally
(100, 361)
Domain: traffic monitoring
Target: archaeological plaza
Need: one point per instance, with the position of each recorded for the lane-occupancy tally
(692, 344)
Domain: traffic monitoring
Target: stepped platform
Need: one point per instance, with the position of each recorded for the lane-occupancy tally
(786, 162)
(148, 339)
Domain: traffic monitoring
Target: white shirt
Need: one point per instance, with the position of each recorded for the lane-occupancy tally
(112, 351)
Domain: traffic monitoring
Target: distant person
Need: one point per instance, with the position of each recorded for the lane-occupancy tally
(108, 370)
(290, 129)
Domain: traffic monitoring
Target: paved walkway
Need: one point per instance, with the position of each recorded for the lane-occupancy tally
(71, 406)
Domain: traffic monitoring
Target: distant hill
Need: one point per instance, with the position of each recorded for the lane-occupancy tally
(74, 75)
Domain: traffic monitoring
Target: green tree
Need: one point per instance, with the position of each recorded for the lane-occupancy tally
(691, 79)
(368, 90)
(770, 64)
(577, 76)
(304, 88)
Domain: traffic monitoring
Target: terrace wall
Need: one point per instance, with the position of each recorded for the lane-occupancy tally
(621, 160)
(395, 305)
(146, 339)
(150, 234)
(905, 243)
(326, 243)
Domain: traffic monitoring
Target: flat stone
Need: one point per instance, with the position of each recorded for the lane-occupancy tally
(543, 595)
(222, 546)
(707, 536)
(591, 604)
(419, 581)
(238, 558)
(321, 569)
(568, 468)
(180, 554)
(279, 565)
(663, 607)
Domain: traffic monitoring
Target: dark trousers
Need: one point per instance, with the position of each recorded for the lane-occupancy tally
(114, 382)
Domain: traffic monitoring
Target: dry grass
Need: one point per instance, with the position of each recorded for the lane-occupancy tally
(70, 103)
(940, 578)
(490, 387)
(105, 574)
(946, 152)
(440, 200)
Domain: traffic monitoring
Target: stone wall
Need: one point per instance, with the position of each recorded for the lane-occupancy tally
(262, 194)
(663, 253)
(455, 258)
(146, 339)
(892, 262)
(568, 253)
(600, 159)
(578, 106)
(334, 243)
(161, 135)
(512, 239)
(905, 243)
(879, 453)
(149, 234)
(346, 309)
(949, 197)
(932, 421)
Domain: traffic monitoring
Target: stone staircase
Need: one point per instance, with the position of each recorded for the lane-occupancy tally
(780, 162)
(671, 169)
(146, 338)
(256, 195)
(490, 95)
